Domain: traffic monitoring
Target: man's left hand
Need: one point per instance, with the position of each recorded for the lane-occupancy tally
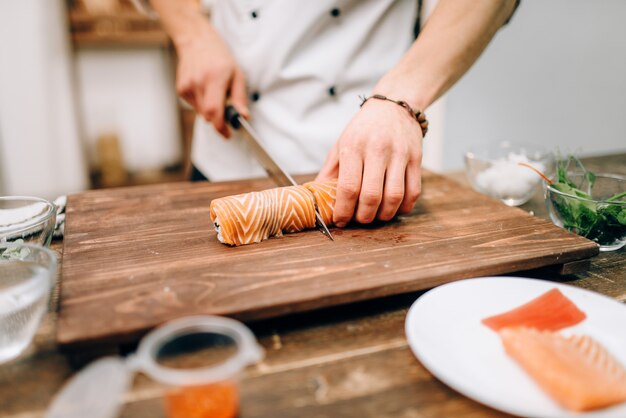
(377, 161)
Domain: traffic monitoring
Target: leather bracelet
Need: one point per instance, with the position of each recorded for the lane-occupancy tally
(418, 115)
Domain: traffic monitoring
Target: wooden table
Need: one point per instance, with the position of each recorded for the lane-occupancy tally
(349, 361)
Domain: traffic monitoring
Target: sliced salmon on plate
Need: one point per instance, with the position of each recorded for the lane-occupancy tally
(576, 371)
(551, 311)
(541, 370)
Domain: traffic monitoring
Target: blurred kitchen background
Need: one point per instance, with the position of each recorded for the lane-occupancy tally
(87, 95)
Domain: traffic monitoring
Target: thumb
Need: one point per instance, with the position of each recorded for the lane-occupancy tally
(330, 169)
(238, 94)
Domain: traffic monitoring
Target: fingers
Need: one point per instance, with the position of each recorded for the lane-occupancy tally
(185, 91)
(371, 189)
(207, 74)
(212, 106)
(413, 186)
(207, 94)
(378, 157)
(188, 101)
(388, 186)
(348, 188)
(330, 169)
(238, 94)
(393, 191)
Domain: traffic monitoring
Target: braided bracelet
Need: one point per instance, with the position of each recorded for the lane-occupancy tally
(418, 115)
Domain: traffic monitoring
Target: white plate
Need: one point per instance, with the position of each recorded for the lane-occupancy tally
(445, 333)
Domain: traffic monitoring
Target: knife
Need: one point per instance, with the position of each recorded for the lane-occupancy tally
(273, 170)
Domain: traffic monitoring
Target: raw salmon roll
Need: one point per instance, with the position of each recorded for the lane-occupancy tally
(253, 217)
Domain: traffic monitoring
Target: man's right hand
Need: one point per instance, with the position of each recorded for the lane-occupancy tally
(207, 75)
(207, 72)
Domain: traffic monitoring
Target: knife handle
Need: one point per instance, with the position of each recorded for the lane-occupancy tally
(232, 116)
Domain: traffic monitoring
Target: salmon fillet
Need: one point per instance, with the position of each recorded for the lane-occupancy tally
(576, 371)
(551, 311)
(253, 217)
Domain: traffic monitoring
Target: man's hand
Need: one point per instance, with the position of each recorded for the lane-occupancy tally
(378, 162)
(207, 71)
(207, 74)
(378, 156)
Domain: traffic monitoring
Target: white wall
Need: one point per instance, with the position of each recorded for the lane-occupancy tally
(2, 181)
(40, 151)
(55, 103)
(130, 92)
(555, 76)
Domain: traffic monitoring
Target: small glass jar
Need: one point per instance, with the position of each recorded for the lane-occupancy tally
(497, 171)
(198, 359)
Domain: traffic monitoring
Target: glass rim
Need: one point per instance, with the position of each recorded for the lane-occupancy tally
(248, 351)
(477, 152)
(584, 199)
(39, 219)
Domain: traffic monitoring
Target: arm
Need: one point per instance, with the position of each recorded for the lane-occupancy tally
(377, 158)
(207, 72)
(456, 34)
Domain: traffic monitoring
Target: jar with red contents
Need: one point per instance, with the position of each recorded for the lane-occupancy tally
(197, 359)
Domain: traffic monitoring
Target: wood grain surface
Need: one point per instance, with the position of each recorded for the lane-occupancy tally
(346, 361)
(136, 257)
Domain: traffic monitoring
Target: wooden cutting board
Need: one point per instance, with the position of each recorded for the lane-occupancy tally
(136, 257)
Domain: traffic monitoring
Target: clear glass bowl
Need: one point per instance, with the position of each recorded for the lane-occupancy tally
(494, 170)
(27, 275)
(597, 219)
(30, 219)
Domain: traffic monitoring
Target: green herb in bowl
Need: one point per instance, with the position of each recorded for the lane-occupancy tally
(588, 204)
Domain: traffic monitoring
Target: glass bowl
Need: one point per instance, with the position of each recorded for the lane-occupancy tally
(30, 219)
(494, 170)
(27, 275)
(595, 217)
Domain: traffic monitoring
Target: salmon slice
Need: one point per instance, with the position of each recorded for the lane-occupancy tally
(576, 371)
(550, 311)
(325, 194)
(253, 217)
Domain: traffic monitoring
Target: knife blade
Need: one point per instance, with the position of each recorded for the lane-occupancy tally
(271, 167)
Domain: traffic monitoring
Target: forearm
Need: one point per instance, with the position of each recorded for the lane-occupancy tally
(182, 20)
(456, 34)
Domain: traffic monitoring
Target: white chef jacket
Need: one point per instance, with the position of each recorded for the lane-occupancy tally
(306, 63)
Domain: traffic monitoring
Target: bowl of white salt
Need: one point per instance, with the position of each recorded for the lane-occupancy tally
(502, 171)
(27, 219)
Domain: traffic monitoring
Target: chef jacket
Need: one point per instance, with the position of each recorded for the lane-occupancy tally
(306, 64)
